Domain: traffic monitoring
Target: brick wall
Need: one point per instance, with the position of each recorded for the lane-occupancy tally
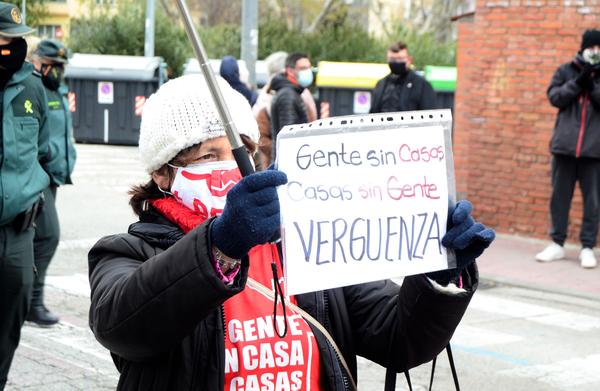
(506, 57)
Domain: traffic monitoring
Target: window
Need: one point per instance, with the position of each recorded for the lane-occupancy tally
(50, 31)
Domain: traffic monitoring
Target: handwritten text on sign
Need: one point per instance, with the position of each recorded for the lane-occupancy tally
(362, 206)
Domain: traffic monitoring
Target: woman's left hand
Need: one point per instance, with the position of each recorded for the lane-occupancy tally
(468, 238)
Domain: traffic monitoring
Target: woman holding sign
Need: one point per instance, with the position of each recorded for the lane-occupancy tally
(172, 299)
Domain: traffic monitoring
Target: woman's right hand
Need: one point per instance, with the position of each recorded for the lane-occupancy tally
(251, 214)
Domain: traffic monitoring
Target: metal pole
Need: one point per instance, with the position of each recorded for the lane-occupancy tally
(149, 30)
(250, 37)
(24, 10)
(239, 150)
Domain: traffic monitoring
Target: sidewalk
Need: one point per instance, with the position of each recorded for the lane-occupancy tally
(511, 260)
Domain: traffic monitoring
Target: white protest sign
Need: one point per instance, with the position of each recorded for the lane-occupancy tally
(105, 92)
(364, 202)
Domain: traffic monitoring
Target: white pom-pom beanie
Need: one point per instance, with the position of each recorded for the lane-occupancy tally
(182, 113)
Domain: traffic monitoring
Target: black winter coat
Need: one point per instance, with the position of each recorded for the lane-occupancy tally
(287, 107)
(577, 127)
(156, 304)
(406, 93)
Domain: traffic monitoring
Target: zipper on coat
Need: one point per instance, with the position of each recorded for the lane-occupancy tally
(584, 100)
(323, 319)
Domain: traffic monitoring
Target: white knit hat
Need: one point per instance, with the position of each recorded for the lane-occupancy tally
(182, 113)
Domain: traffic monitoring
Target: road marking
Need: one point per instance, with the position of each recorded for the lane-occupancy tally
(535, 313)
(76, 244)
(490, 353)
(77, 284)
(562, 374)
(472, 337)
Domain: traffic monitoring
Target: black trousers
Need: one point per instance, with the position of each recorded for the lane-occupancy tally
(16, 280)
(45, 242)
(566, 171)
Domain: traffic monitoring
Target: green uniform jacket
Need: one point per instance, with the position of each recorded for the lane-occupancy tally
(24, 143)
(62, 149)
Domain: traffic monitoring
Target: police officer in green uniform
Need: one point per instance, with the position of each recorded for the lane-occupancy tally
(49, 59)
(23, 150)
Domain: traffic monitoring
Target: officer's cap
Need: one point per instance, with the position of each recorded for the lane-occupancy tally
(11, 22)
(53, 50)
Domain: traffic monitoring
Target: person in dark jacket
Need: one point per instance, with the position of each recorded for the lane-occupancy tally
(230, 71)
(287, 107)
(575, 147)
(49, 59)
(178, 299)
(23, 153)
(402, 89)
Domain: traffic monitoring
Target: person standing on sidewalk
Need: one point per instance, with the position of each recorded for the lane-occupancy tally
(23, 149)
(402, 89)
(49, 59)
(575, 148)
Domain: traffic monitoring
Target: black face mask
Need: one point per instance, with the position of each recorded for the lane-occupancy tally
(52, 75)
(398, 68)
(12, 56)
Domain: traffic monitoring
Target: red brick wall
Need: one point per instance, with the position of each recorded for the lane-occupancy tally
(506, 57)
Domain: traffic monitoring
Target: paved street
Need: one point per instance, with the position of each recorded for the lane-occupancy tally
(511, 338)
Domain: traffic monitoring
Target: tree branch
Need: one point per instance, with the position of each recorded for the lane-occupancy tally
(319, 19)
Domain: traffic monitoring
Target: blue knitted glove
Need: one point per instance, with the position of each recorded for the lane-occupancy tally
(464, 235)
(251, 214)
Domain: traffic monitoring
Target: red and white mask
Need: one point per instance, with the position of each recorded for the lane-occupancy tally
(203, 187)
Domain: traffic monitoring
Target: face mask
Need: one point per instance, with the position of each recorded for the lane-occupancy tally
(591, 56)
(305, 77)
(52, 76)
(203, 187)
(397, 68)
(12, 56)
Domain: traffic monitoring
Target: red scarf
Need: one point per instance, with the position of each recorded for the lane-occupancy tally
(255, 357)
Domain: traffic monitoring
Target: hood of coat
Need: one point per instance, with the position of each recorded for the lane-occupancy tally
(281, 81)
(156, 229)
(230, 70)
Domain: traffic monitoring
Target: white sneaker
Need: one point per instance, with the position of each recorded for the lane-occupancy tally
(588, 259)
(553, 252)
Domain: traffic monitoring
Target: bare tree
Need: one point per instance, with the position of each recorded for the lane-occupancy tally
(434, 16)
(304, 15)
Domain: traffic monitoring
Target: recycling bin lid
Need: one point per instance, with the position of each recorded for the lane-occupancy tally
(113, 67)
(350, 74)
(441, 78)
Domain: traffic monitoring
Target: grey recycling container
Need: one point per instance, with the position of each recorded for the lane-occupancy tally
(107, 95)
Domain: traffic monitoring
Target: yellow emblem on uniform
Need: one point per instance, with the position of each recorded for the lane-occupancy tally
(61, 52)
(28, 106)
(16, 15)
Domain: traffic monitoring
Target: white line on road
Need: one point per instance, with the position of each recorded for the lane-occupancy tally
(77, 284)
(562, 374)
(76, 244)
(535, 313)
(470, 336)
